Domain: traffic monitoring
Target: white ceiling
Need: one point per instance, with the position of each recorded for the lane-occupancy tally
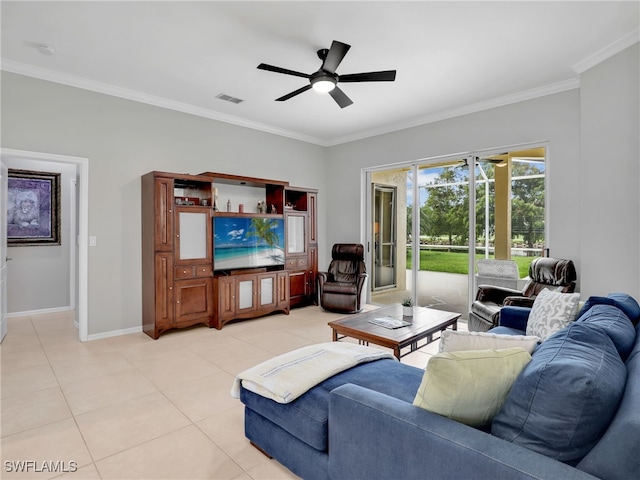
(451, 57)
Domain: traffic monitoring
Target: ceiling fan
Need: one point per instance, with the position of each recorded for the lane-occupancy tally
(326, 78)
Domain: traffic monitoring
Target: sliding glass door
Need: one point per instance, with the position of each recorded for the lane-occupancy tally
(424, 255)
(442, 245)
(510, 207)
(443, 221)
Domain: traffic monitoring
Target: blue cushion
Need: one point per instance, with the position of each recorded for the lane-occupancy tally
(594, 300)
(628, 305)
(624, 302)
(514, 317)
(507, 331)
(306, 417)
(565, 398)
(614, 323)
(615, 454)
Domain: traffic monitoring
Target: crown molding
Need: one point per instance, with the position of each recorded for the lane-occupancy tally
(136, 96)
(607, 52)
(99, 87)
(466, 110)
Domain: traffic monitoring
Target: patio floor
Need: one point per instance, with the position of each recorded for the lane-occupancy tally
(442, 291)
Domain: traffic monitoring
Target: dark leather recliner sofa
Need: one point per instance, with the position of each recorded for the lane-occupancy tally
(551, 273)
(340, 287)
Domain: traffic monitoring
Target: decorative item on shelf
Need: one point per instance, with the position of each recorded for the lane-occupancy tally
(407, 307)
(288, 206)
(240, 208)
(273, 209)
(229, 205)
(215, 200)
(262, 206)
(204, 202)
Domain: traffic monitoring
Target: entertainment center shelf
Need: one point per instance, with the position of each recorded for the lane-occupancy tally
(192, 272)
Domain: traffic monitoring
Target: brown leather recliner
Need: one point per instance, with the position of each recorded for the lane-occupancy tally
(340, 287)
(551, 273)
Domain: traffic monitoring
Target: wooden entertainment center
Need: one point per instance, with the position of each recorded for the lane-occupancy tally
(184, 282)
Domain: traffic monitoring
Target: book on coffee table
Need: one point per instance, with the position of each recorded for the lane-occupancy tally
(389, 322)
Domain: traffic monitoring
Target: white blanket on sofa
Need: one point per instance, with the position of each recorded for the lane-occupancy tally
(285, 377)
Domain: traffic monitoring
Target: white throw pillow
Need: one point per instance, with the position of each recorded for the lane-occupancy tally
(470, 386)
(551, 312)
(455, 341)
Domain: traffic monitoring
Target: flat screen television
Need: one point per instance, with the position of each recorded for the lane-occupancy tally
(245, 242)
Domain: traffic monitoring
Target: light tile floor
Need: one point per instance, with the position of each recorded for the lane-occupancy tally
(131, 407)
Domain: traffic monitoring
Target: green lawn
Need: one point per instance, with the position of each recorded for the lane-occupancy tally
(456, 262)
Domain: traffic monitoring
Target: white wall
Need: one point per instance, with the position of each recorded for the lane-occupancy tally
(39, 276)
(124, 140)
(554, 119)
(609, 175)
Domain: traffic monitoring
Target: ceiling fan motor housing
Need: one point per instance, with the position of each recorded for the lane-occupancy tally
(322, 53)
(322, 76)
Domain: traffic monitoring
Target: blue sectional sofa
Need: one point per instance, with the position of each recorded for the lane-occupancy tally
(572, 413)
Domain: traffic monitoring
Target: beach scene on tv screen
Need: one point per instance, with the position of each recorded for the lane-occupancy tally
(243, 242)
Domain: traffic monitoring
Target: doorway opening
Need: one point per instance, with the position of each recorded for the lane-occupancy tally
(79, 262)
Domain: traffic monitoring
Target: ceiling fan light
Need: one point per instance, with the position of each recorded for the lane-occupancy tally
(323, 85)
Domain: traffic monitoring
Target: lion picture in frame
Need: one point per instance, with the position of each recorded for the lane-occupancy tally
(33, 208)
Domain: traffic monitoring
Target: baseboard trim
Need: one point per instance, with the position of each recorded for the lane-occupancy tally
(114, 333)
(39, 312)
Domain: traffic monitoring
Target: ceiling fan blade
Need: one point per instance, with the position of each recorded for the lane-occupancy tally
(293, 94)
(335, 55)
(495, 159)
(340, 97)
(271, 68)
(385, 76)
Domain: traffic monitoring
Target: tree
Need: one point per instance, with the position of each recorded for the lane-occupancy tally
(527, 204)
(444, 210)
(264, 229)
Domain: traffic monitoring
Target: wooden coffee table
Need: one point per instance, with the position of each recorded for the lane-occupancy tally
(424, 323)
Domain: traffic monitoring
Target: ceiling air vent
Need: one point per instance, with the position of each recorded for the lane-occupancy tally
(229, 98)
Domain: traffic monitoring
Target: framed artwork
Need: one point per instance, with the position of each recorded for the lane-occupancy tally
(33, 208)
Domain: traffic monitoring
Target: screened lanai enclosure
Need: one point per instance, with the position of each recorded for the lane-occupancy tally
(425, 239)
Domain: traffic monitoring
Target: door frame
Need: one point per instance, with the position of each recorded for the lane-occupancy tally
(82, 174)
(4, 179)
(374, 270)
